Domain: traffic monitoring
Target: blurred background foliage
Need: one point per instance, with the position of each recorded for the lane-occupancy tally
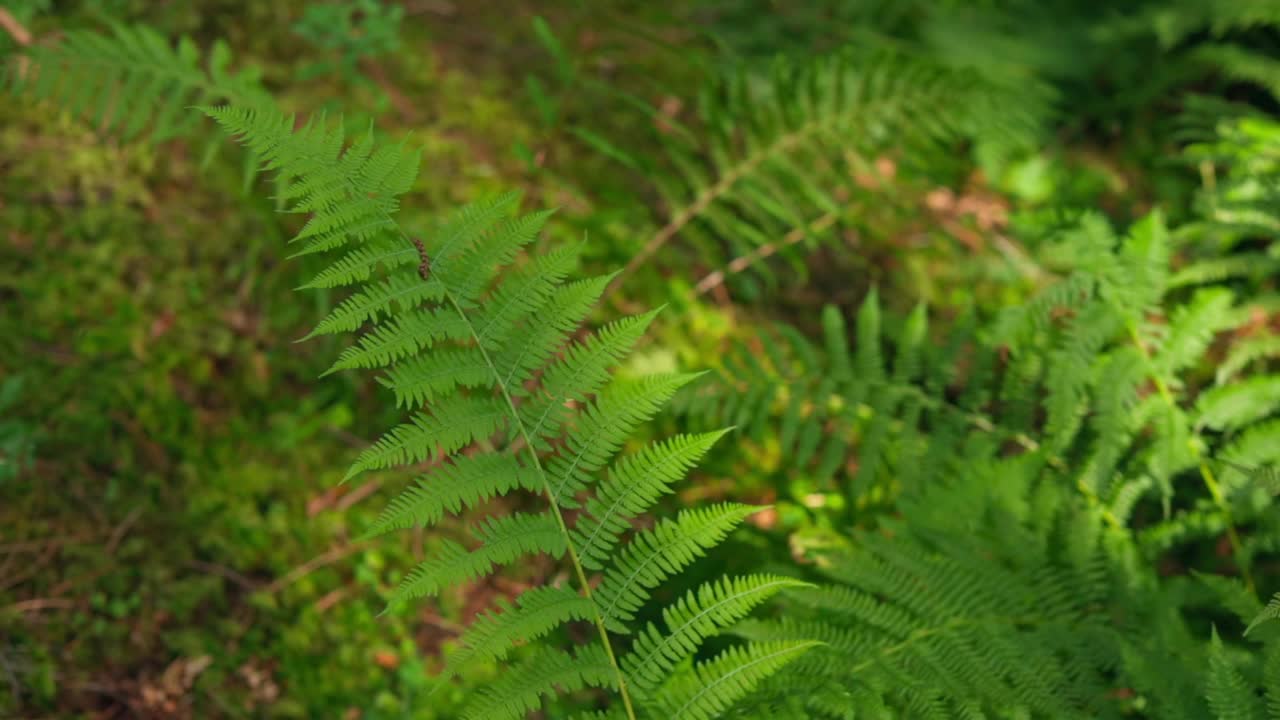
(173, 538)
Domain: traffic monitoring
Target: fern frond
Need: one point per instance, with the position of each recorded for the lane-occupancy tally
(788, 160)
(479, 341)
(1241, 64)
(1271, 675)
(398, 292)
(132, 79)
(822, 402)
(604, 426)
(442, 431)
(350, 192)
(400, 337)
(1247, 353)
(661, 552)
(535, 613)
(1235, 406)
(974, 603)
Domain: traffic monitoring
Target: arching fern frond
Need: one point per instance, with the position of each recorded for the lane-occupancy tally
(789, 160)
(481, 342)
(133, 82)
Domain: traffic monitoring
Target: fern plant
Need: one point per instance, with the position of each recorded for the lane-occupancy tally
(1027, 473)
(1040, 464)
(479, 342)
(1094, 368)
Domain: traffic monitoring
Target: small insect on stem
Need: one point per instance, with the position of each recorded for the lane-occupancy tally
(424, 268)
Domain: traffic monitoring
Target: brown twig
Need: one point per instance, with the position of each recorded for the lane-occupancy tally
(34, 567)
(404, 106)
(331, 598)
(312, 565)
(20, 34)
(35, 604)
(118, 534)
(356, 495)
(224, 572)
(41, 544)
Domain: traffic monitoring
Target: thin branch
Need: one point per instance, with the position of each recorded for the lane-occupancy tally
(225, 572)
(20, 34)
(118, 534)
(36, 604)
(28, 545)
(312, 565)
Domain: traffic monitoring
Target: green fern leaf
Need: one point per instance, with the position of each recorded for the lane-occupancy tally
(519, 691)
(535, 613)
(447, 428)
(503, 541)
(661, 552)
(463, 484)
(709, 608)
(634, 485)
(717, 684)
(1267, 614)
(132, 79)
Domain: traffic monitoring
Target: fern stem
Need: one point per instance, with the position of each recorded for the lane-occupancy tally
(555, 509)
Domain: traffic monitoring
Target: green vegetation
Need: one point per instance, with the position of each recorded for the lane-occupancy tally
(984, 293)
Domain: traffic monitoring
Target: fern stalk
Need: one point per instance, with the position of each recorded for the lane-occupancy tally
(578, 571)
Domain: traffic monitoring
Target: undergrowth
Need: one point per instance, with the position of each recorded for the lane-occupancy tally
(971, 355)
